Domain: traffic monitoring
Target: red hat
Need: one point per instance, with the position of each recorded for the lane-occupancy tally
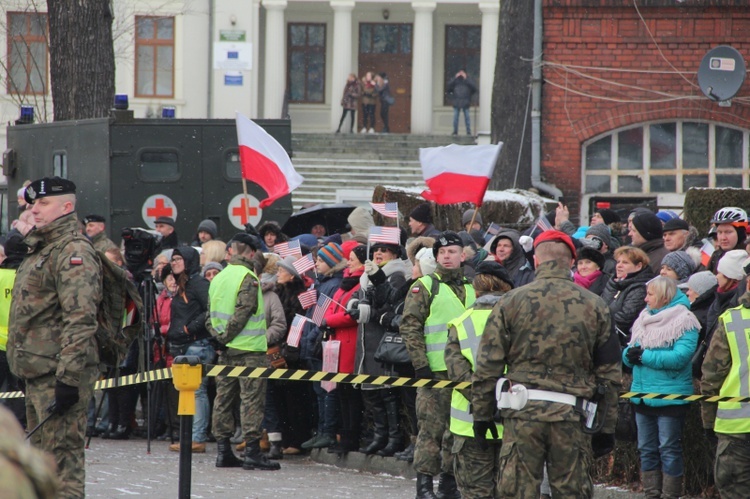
(555, 236)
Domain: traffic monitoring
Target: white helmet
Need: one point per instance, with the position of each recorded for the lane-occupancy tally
(729, 215)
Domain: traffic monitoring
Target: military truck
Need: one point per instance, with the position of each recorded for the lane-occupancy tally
(132, 171)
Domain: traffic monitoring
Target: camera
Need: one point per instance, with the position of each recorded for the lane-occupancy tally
(141, 248)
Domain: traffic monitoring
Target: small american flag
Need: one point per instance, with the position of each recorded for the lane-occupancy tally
(389, 210)
(493, 229)
(295, 330)
(291, 248)
(304, 264)
(389, 235)
(543, 224)
(321, 308)
(308, 298)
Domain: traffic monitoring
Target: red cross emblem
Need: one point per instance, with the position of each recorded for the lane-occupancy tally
(157, 206)
(244, 209)
(159, 209)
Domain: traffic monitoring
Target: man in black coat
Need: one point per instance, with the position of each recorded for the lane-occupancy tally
(461, 90)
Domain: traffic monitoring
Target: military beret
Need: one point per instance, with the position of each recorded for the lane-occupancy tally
(245, 238)
(556, 236)
(93, 218)
(165, 220)
(447, 238)
(48, 186)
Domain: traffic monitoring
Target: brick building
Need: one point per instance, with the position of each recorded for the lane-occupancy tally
(622, 113)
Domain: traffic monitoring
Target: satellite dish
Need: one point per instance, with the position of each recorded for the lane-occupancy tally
(721, 73)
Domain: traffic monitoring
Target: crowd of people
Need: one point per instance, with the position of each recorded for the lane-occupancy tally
(372, 89)
(672, 299)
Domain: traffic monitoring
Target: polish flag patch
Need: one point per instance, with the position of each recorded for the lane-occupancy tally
(76, 260)
(415, 289)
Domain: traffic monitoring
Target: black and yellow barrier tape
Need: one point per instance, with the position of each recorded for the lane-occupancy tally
(355, 379)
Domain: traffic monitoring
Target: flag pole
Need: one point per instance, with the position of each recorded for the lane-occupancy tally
(247, 198)
(473, 217)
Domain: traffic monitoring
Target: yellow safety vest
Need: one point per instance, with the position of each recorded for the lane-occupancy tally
(470, 327)
(7, 278)
(223, 295)
(734, 417)
(444, 307)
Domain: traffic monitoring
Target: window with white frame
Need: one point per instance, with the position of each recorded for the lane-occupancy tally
(667, 157)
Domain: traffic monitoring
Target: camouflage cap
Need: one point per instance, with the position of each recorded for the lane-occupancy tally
(48, 186)
(556, 236)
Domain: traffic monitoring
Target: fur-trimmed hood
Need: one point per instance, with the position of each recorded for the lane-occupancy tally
(417, 244)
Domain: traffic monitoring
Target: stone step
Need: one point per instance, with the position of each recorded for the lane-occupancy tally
(333, 164)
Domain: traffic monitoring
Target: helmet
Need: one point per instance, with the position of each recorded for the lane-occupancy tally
(730, 215)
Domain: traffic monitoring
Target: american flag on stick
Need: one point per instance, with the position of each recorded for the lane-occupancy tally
(308, 298)
(388, 235)
(304, 264)
(291, 248)
(543, 224)
(389, 210)
(493, 229)
(321, 308)
(295, 330)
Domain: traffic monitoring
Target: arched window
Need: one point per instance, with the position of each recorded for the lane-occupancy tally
(667, 157)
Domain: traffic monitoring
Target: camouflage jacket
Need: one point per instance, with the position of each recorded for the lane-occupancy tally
(56, 295)
(551, 335)
(417, 309)
(102, 243)
(247, 304)
(716, 367)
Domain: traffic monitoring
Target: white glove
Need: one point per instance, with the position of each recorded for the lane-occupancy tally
(371, 268)
(526, 242)
(364, 313)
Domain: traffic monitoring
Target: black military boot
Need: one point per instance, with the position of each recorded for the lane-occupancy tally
(394, 432)
(275, 451)
(447, 488)
(254, 458)
(424, 487)
(226, 457)
(380, 425)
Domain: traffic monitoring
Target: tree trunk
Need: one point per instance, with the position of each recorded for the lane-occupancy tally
(82, 59)
(511, 93)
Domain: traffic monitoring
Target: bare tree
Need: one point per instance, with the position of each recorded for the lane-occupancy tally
(511, 96)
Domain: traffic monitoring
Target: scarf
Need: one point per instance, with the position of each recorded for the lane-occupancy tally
(663, 328)
(587, 281)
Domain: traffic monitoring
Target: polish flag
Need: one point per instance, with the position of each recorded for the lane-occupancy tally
(707, 251)
(457, 174)
(265, 162)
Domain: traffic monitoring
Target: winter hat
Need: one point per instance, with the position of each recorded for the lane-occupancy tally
(609, 216)
(666, 215)
(360, 220)
(701, 282)
(348, 246)
(495, 270)
(209, 226)
(426, 259)
(333, 238)
(288, 264)
(638, 211)
(422, 213)
(209, 266)
(331, 253)
(591, 254)
(361, 252)
(681, 263)
(467, 239)
(676, 224)
(466, 218)
(648, 225)
(601, 232)
(165, 221)
(731, 264)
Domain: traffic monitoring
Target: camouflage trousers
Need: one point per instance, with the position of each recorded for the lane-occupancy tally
(62, 436)
(732, 467)
(526, 447)
(475, 469)
(250, 392)
(432, 452)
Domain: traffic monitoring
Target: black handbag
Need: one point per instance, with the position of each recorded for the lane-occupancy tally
(392, 350)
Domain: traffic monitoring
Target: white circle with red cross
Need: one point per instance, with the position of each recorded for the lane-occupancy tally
(244, 209)
(157, 206)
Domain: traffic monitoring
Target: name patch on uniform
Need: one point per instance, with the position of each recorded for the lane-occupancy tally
(415, 289)
(76, 260)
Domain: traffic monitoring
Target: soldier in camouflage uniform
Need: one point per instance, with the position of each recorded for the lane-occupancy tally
(51, 334)
(237, 320)
(431, 303)
(555, 337)
(94, 226)
(723, 374)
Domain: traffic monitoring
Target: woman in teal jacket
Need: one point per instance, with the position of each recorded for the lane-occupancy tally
(664, 338)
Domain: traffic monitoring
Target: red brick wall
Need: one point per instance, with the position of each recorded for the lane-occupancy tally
(608, 41)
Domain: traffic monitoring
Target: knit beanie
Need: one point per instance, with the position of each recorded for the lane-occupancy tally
(422, 213)
(609, 216)
(209, 266)
(681, 263)
(348, 246)
(639, 210)
(648, 225)
(601, 232)
(209, 226)
(331, 253)
(288, 264)
(466, 218)
(590, 254)
(701, 282)
(361, 252)
(731, 264)
(427, 262)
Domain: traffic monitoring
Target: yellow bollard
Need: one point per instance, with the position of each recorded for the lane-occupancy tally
(187, 372)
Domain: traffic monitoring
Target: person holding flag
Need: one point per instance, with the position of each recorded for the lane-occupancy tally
(507, 251)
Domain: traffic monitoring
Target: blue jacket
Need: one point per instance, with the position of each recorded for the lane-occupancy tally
(326, 285)
(666, 369)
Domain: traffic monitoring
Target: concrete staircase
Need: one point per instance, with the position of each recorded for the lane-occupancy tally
(347, 167)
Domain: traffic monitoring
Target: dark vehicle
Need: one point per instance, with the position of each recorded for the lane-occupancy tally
(132, 171)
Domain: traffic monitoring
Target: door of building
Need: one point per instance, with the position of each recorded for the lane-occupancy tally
(386, 48)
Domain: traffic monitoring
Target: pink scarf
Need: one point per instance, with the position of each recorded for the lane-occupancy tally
(587, 281)
(663, 328)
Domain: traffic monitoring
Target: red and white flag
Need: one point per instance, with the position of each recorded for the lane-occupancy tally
(308, 298)
(295, 330)
(304, 264)
(290, 248)
(265, 162)
(458, 174)
(707, 250)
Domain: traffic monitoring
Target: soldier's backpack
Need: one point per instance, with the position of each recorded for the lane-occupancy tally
(119, 316)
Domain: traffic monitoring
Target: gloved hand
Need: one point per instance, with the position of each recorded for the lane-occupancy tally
(386, 319)
(480, 432)
(634, 355)
(424, 373)
(364, 313)
(66, 397)
(353, 313)
(371, 268)
(323, 324)
(527, 243)
(602, 444)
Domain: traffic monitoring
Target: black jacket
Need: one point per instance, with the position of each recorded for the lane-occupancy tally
(625, 300)
(461, 90)
(721, 303)
(700, 307)
(189, 308)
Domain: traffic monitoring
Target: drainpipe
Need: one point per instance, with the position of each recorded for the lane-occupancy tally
(210, 72)
(536, 109)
